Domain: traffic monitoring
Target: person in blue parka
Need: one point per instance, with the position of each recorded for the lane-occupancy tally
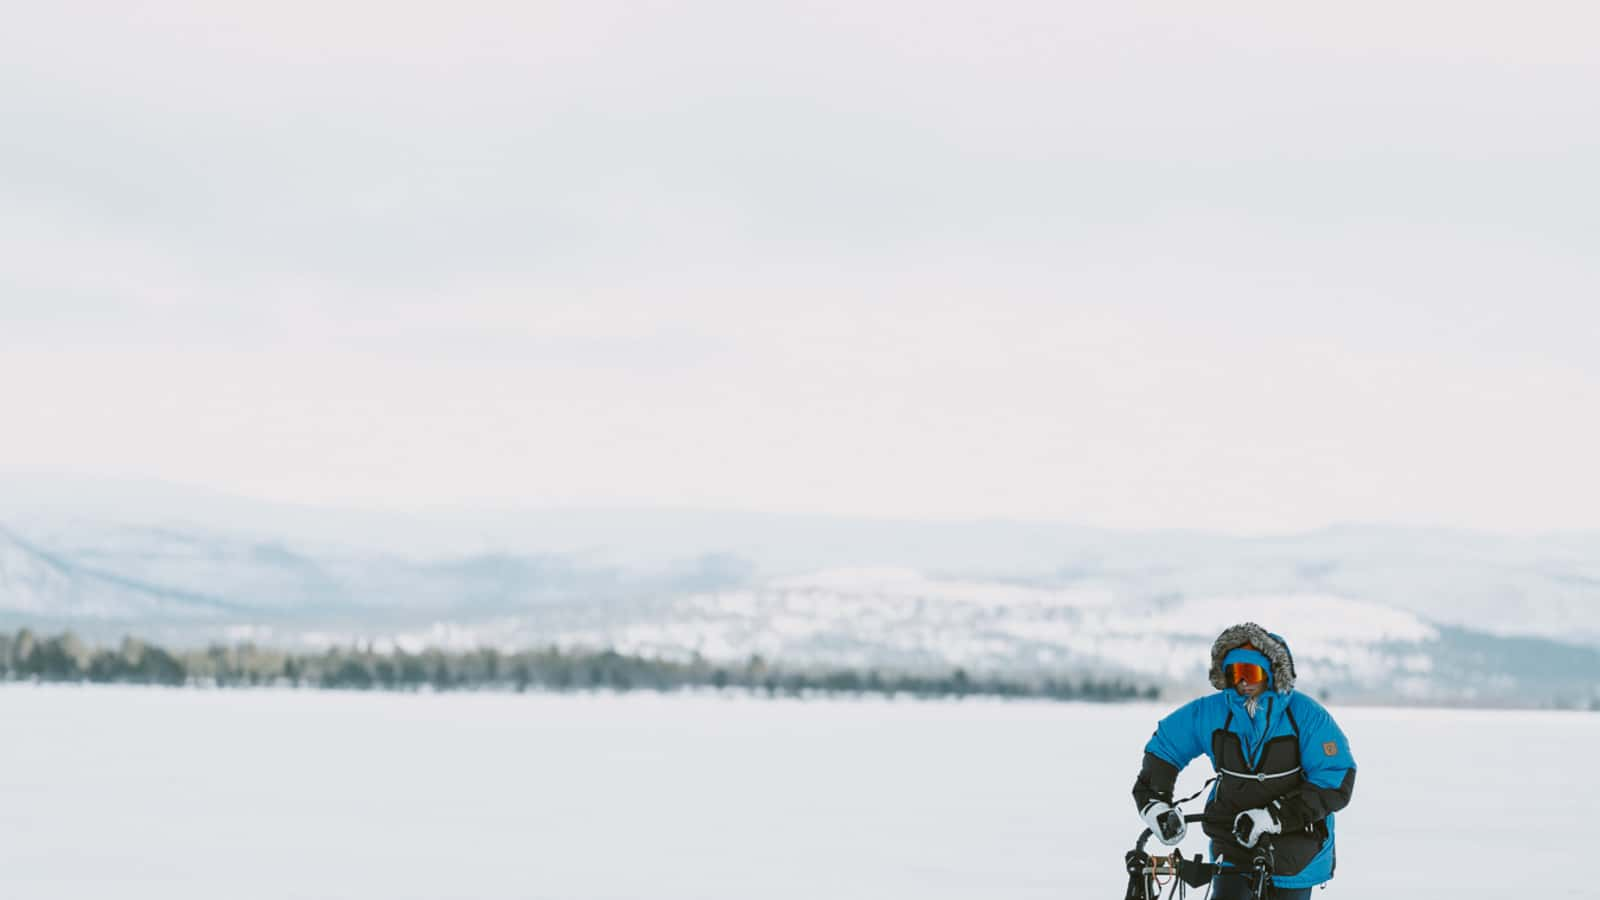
(1283, 768)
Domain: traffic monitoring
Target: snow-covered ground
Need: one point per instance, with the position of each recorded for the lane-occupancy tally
(152, 793)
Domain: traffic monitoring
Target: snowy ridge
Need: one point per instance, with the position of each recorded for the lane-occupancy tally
(863, 617)
(36, 582)
(1111, 610)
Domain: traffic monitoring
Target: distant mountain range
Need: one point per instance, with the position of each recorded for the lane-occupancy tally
(1373, 613)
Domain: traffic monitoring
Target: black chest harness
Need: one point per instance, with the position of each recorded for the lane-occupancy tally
(1259, 777)
(1294, 731)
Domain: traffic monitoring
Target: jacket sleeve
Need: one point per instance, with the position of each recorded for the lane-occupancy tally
(1329, 767)
(1178, 739)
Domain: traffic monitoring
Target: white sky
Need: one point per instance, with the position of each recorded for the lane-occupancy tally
(1256, 266)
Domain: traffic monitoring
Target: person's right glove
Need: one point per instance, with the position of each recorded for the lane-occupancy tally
(1165, 822)
(1250, 825)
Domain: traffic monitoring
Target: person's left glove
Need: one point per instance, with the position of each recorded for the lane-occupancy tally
(1250, 825)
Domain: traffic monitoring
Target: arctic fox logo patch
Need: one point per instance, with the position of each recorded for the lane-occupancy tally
(1330, 749)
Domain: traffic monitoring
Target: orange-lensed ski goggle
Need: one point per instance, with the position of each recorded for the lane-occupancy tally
(1245, 673)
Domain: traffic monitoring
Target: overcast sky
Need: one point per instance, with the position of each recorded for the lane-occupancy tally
(1245, 266)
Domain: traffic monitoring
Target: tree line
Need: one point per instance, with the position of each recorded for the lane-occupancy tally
(25, 656)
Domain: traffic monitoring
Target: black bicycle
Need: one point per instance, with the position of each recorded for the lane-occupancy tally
(1149, 876)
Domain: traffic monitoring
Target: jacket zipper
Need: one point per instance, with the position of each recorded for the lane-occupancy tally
(1260, 749)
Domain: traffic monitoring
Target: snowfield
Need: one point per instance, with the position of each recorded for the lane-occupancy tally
(154, 793)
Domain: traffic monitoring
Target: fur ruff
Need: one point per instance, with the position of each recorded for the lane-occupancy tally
(1271, 647)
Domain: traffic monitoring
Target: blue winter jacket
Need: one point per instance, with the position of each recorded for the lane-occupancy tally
(1290, 757)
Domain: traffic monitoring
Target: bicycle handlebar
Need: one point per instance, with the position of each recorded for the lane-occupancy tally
(1262, 861)
(1261, 869)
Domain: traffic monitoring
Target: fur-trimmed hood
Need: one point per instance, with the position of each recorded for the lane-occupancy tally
(1272, 646)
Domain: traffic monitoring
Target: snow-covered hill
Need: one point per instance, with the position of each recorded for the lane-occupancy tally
(913, 618)
(897, 617)
(1369, 611)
